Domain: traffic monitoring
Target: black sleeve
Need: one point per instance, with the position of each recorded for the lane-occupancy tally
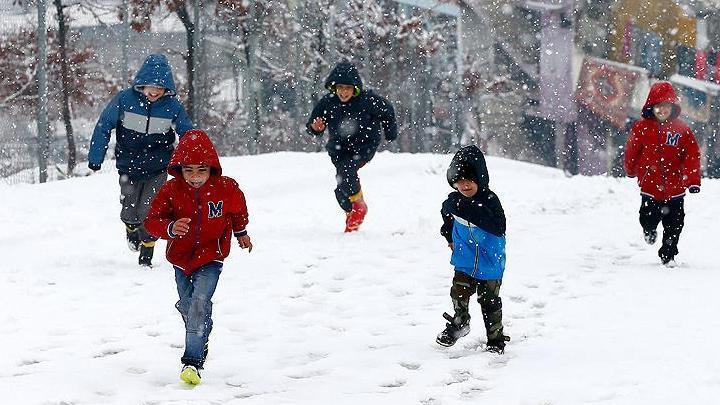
(494, 221)
(320, 110)
(447, 227)
(386, 113)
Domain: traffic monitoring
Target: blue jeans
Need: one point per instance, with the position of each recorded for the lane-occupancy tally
(195, 306)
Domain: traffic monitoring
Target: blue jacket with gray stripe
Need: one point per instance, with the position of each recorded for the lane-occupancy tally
(476, 228)
(144, 131)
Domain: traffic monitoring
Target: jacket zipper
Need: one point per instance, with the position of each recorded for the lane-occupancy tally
(197, 225)
(477, 251)
(147, 122)
(661, 167)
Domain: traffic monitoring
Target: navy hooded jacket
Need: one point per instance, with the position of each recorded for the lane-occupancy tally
(143, 130)
(354, 126)
(474, 225)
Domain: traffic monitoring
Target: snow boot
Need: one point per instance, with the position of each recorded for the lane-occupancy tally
(669, 262)
(190, 374)
(146, 253)
(650, 236)
(133, 237)
(356, 216)
(456, 328)
(497, 346)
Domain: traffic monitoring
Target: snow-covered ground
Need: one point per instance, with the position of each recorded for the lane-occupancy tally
(314, 316)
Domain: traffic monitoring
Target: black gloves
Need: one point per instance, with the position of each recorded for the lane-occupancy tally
(694, 189)
(93, 167)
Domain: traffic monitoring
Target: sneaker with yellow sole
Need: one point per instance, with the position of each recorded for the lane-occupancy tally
(190, 374)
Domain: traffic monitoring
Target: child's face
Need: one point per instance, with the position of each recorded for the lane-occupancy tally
(153, 93)
(196, 175)
(662, 111)
(466, 187)
(344, 92)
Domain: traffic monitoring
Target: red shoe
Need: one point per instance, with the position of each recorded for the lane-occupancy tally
(356, 216)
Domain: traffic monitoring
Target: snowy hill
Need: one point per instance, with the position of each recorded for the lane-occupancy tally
(314, 316)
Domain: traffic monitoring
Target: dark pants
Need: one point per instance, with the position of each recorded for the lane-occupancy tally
(195, 307)
(347, 165)
(672, 215)
(488, 292)
(135, 198)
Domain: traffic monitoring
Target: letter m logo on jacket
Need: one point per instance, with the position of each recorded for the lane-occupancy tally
(672, 139)
(215, 210)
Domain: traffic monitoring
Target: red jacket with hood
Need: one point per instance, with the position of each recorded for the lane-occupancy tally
(664, 156)
(216, 210)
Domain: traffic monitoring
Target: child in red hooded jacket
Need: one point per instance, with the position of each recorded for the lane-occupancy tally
(663, 154)
(198, 212)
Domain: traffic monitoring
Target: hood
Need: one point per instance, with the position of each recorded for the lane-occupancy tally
(469, 163)
(195, 148)
(661, 92)
(344, 73)
(155, 71)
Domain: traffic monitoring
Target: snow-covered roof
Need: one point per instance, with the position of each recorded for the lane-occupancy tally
(434, 5)
(546, 5)
(705, 87)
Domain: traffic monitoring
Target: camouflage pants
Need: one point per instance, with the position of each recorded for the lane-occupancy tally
(488, 292)
(135, 198)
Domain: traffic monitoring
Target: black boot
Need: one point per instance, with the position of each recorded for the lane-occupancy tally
(497, 346)
(457, 327)
(650, 236)
(146, 254)
(133, 237)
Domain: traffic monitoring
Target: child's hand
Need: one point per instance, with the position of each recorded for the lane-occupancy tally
(318, 125)
(244, 242)
(451, 246)
(181, 227)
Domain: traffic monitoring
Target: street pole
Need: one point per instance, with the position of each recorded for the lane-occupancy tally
(195, 61)
(125, 42)
(42, 115)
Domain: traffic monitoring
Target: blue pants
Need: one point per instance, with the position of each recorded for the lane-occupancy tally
(195, 306)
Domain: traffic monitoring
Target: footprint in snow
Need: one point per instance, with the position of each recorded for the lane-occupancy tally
(235, 383)
(29, 362)
(306, 374)
(109, 352)
(410, 365)
(472, 392)
(499, 360)
(136, 370)
(394, 384)
(538, 304)
(461, 376)
(105, 393)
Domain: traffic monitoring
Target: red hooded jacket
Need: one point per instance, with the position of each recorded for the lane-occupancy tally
(217, 209)
(664, 156)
